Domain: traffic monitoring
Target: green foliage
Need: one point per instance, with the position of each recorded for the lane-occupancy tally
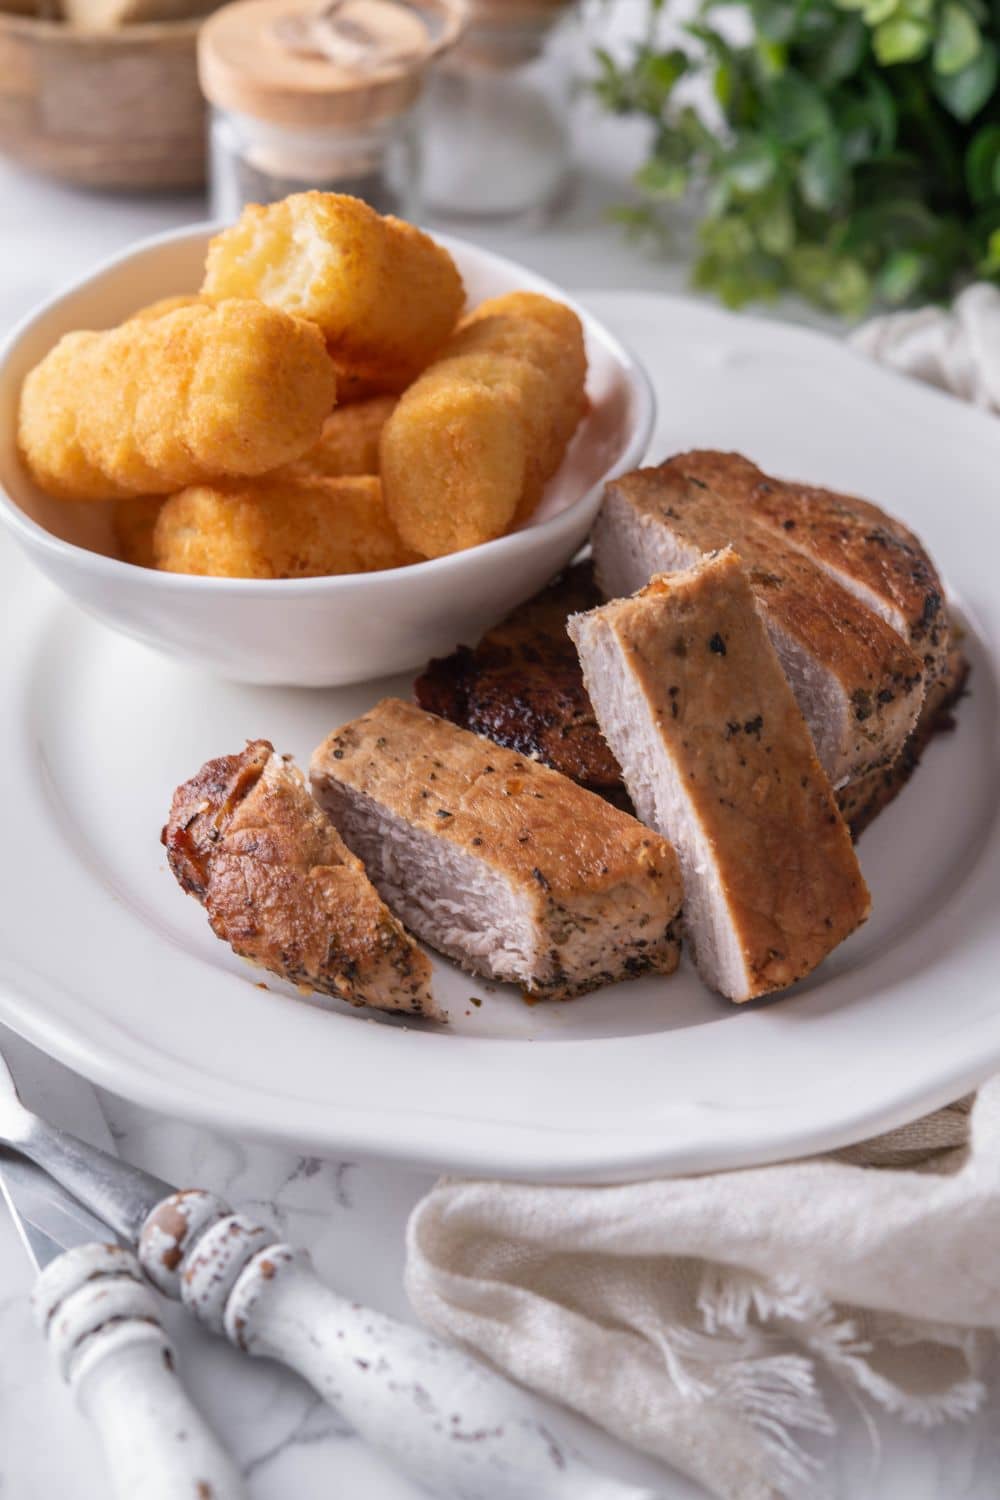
(858, 157)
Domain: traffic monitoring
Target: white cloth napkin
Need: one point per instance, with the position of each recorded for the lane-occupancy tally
(692, 1317)
(696, 1318)
(958, 350)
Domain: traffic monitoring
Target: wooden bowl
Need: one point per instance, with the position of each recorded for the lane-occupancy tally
(118, 109)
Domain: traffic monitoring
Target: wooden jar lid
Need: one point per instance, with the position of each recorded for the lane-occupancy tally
(301, 64)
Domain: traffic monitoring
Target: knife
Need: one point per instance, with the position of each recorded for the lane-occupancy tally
(439, 1414)
(102, 1324)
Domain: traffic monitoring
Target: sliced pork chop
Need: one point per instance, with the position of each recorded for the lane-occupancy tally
(283, 890)
(861, 801)
(717, 757)
(499, 862)
(858, 683)
(866, 551)
(522, 687)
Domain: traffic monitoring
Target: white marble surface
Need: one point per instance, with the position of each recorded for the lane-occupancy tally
(350, 1217)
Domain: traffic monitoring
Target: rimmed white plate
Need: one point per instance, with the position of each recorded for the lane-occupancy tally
(106, 965)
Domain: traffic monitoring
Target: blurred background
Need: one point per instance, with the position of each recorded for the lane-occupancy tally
(843, 152)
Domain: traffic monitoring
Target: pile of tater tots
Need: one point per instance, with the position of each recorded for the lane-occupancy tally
(320, 407)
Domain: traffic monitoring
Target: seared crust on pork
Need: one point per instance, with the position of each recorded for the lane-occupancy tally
(858, 683)
(861, 801)
(522, 687)
(497, 861)
(279, 885)
(718, 759)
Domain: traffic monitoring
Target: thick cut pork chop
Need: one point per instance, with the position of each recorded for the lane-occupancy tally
(858, 683)
(497, 861)
(522, 686)
(717, 758)
(281, 888)
(862, 548)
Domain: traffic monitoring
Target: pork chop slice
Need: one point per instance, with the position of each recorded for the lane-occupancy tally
(866, 551)
(280, 886)
(861, 801)
(858, 683)
(499, 862)
(522, 687)
(717, 757)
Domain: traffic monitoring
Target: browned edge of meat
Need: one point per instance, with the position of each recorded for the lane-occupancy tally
(863, 548)
(693, 700)
(859, 685)
(500, 862)
(861, 801)
(526, 694)
(522, 687)
(281, 887)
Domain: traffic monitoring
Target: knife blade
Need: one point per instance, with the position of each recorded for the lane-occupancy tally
(47, 1218)
(443, 1416)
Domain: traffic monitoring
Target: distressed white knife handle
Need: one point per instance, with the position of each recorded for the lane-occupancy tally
(102, 1325)
(445, 1418)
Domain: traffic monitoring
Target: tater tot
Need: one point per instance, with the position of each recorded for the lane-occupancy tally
(453, 462)
(384, 294)
(349, 441)
(361, 382)
(279, 528)
(204, 392)
(448, 461)
(133, 524)
(165, 305)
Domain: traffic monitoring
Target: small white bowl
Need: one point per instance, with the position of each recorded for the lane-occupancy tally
(310, 632)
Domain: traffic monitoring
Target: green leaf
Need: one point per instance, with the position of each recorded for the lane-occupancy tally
(990, 263)
(877, 11)
(775, 226)
(901, 40)
(796, 109)
(821, 173)
(964, 94)
(839, 54)
(958, 40)
(848, 290)
(775, 20)
(662, 179)
(982, 164)
(901, 275)
(751, 165)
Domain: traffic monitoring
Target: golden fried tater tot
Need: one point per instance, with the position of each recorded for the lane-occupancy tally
(279, 528)
(48, 421)
(453, 461)
(133, 523)
(204, 392)
(548, 313)
(550, 335)
(361, 382)
(349, 442)
(454, 470)
(384, 294)
(165, 305)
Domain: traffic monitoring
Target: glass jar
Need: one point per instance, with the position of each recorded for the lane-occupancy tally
(252, 161)
(496, 133)
(304, 97)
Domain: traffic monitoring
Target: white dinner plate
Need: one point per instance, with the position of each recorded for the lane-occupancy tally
(105, 964)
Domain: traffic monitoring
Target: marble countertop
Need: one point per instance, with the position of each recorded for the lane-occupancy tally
(351, 1217)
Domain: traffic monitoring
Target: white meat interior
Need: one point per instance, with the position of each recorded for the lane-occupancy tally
(444, 894)
(657, 789)
(630, 549)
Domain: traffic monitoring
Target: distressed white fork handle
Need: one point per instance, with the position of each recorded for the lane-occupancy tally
(444, 1417)
(102, 1325)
